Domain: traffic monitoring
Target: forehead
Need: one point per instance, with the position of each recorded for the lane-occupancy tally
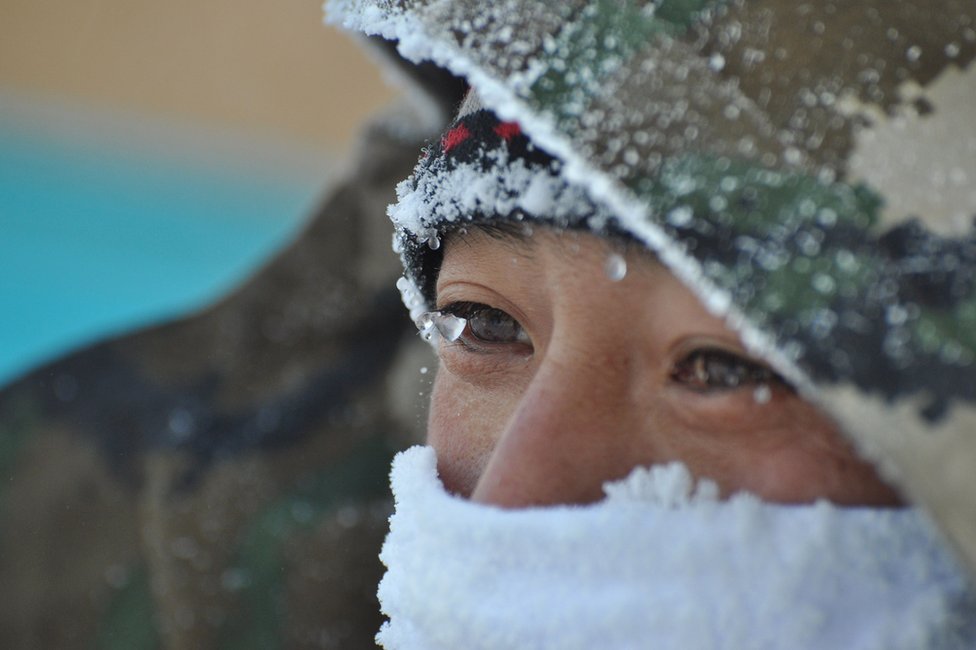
(546, 274)
(493, 251)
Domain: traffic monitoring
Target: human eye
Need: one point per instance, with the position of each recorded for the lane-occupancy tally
(715, 369)
(485, 328)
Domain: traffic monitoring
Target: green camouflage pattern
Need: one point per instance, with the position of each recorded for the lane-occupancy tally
(806, 168)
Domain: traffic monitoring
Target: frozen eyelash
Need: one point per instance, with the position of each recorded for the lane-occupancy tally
(477, 325)
(444, 323)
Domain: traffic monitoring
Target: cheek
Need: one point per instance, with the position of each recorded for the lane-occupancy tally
(812, 460)
(783, 451)
(462, 428)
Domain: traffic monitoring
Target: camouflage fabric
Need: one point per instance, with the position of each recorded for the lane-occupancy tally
(806, 168)
(221, 481)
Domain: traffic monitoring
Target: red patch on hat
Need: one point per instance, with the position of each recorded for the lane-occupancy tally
(507, 130)
(454, 137)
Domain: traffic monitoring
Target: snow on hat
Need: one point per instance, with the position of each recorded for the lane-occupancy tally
(805, 168)
(482, 171)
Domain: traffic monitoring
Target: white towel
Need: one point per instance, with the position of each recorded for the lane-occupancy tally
(662, 564)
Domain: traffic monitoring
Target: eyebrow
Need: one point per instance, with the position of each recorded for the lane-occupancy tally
(516, 233)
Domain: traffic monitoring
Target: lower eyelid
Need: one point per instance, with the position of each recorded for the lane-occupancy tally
(742, 400)
(475, 346)
(475, 365)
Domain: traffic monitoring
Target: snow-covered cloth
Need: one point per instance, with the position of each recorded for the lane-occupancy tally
(482, 170)
(661, 563)
(805, 168)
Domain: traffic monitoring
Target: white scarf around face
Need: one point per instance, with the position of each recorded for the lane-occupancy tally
(662, 564)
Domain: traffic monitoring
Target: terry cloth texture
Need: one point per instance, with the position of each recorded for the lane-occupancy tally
(661, 565)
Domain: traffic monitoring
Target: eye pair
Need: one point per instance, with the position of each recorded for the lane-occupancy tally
(480, 329)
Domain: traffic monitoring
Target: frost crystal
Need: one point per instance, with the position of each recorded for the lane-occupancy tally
(448, 326)
(670, 485)
(412, 298)
(680, 216)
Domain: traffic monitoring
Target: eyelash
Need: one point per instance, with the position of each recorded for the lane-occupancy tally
(471, 312)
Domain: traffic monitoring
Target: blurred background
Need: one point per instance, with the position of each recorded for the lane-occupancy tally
(153, 154)
(205, 366)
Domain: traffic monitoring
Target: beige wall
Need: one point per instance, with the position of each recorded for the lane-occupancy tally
(266, 67)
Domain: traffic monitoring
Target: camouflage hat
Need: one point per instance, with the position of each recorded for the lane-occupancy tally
(807, 169)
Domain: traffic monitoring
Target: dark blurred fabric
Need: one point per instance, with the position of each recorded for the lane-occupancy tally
(221, 481)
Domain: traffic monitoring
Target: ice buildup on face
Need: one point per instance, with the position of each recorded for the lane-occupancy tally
(448, 326)
(616, 267)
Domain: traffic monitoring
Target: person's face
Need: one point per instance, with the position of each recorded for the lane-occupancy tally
(564, 378)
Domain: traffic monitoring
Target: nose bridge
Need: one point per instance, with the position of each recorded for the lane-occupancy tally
(569, 431)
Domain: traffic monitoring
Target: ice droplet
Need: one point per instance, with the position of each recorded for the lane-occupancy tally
(423, 370)
(434, 242)
(680, 216)
(425, 325)
(823, 283)
(896, 315)
(914, 53)
(792, 156)
(827, 217)
(822, 323)
(616, 267)
(762, 394)
(449, 326)
(952, 50)
(729, 184)
(716, 62)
